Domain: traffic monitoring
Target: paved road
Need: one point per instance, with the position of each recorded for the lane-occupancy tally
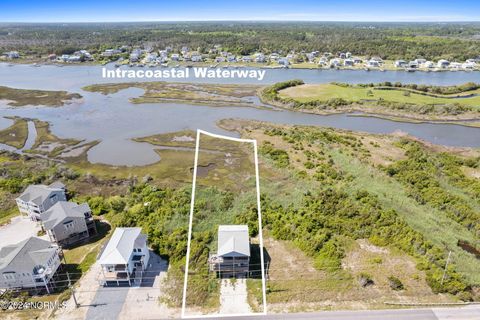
(464, 313)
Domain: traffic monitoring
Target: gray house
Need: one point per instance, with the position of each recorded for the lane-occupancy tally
(67, 223)
(233, 251)
(125, 257)
(37, 199)
(29, 264)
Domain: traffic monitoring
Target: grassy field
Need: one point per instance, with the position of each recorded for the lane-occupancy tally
(360, 164)
(311, 92)
(23, 97)
(16, 135)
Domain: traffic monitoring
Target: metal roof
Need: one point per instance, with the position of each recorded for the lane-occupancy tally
(233, 241)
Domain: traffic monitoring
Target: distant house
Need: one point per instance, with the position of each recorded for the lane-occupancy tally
(175, 57)
(67, 223)
(442, 64)
(12, 55)
(220, 59)
(455, 65)
(348, 55)
(420, 61)
(413, 65)
(283, 61)
(125, 257)
(233, 251)
(348, 62)
(246, 59)
(468, 65)
(400, 63)
(29, 264)
(37, 199)
(196, 58)
(335, 63)
(373, 63)
(260, 58)
(428, 64)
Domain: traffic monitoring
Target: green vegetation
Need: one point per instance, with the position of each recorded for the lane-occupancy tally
(164, 92)
(16, 135)
(324, 191)
(413, 101)
(391, 41)
(23, 97)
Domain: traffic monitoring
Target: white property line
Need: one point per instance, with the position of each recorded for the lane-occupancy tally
(192, 204)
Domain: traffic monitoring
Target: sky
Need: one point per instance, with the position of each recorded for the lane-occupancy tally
(198, 10)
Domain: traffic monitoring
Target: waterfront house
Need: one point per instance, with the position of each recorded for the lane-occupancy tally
(428, 64)
(373, 63)
(420, 61)
(12, 55)
(455, 65)
(233, 251)
(37, 199)
(220, 59)
(442, 64)
(29, 264)
(283, 62)
(400, 63)
(260, 58)
(175, 57)
(334, 63)
(357, 60)
(469, 65)
(348, 62)
(125, 257)
(413, 65)
(67, 223)
(196, 58)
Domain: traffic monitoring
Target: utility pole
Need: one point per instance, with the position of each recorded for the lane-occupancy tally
(73, 290)
(446, 265)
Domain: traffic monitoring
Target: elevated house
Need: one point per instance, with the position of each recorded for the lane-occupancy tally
(37, 199)
(233, 251)
(125, 257)
(30, 264)
(67, 223)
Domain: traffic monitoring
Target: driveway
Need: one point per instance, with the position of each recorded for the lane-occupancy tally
(143, 302)
(233, 297)
(19, 229)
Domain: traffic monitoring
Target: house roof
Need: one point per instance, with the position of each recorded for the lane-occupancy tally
(38, 193)
(233, 241)
(120, 246)
(26, 255)
(61, 210)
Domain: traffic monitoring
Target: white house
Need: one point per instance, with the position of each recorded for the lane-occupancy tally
(400, 63)
(29, 264)
(442, 64)
(373, 63)
(125, 257)
(12, 55)
(233, 251)
(37, 199)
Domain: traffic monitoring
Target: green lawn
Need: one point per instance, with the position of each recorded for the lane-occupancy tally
(323, 92)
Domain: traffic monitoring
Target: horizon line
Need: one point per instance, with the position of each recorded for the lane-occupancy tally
(242, 20)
